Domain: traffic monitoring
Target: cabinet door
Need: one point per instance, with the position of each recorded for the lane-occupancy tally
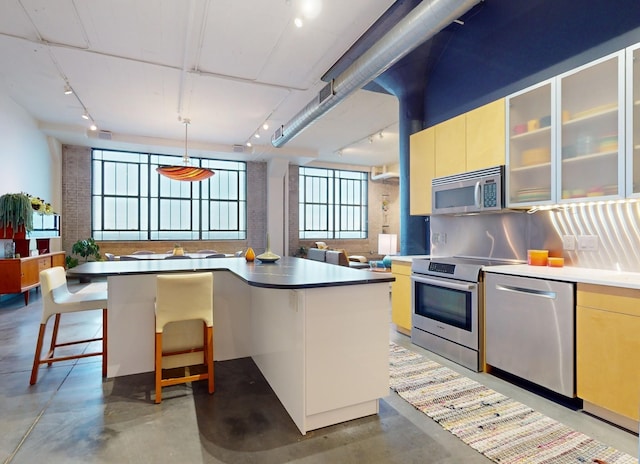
(485, 136)
(451, 146)
(421, 171)
(608, 348)
(530, 170)
(633, 122)
(401, 295)
(592, 123)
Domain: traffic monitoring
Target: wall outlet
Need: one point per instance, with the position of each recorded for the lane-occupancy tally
(588, 242)
(568, 242)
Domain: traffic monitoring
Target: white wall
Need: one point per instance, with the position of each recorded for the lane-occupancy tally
(30, 161)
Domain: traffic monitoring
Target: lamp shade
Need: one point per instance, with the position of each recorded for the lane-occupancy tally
(387, 245)
(185, 173)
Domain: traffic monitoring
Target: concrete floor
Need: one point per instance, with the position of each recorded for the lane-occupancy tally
(71, 415)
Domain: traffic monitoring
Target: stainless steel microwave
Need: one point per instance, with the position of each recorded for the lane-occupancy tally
(469, 192)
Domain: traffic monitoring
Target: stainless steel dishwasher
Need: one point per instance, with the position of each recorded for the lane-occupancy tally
(530, 330)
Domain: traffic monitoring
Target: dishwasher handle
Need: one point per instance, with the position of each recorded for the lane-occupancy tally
(528, 291)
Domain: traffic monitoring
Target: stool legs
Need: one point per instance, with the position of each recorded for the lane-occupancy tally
(207, 350)
(50, 358)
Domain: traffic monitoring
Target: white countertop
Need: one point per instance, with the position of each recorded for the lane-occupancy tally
(408, 258)
(571, 274)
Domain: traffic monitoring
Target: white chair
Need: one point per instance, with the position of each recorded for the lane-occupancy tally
(184, 297)
(56, 300)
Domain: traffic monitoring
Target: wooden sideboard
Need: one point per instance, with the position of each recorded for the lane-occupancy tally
(19, 275)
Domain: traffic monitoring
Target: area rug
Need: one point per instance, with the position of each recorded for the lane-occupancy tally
(504, 430)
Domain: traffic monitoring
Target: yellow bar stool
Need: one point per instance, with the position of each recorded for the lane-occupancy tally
(184, 297)
(56, 300)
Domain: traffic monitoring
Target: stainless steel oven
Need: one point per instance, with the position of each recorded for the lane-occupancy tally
(447, 296)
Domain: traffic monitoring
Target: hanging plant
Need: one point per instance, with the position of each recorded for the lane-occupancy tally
(16, 211)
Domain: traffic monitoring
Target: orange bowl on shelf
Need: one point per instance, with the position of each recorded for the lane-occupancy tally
(555, 262)
(537, 257)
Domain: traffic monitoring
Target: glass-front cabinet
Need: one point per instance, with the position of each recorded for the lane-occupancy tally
(531, 132)
(590, 140)
(633, 121)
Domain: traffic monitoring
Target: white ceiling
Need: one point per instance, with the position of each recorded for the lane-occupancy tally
(138, 66)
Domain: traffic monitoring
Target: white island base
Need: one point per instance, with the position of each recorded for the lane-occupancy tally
(323, 350)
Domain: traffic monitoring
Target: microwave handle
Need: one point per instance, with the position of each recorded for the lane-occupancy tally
(476, 195)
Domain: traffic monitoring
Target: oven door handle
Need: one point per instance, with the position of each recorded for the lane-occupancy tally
(444, 283)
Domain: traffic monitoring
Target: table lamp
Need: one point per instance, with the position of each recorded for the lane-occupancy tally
(387, 246)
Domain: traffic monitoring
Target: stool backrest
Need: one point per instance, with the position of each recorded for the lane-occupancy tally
(53, 282)
(183, 297)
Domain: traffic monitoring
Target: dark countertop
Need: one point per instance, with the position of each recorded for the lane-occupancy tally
(286, 273)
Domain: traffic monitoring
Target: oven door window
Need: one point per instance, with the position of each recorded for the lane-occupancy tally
(449, 306)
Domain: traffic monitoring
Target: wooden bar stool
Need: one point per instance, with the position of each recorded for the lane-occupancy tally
(184, 297)
(57, 299)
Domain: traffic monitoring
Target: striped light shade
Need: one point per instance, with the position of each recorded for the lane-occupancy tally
(185, 173)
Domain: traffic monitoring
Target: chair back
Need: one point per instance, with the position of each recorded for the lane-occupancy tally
(216, 255)
(183, 297)
(52, 279)
(110, 256)
(316, 254)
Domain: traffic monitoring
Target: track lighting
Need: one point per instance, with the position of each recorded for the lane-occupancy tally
(93, 127)
(298, 22)
(256, 135)
(85, 115)
(68, 90)
(249, 144)
(265, 126)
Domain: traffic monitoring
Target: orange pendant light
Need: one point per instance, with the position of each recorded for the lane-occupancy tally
(185, 173)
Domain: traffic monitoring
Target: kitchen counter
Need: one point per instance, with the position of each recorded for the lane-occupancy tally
(286, 273)
(319, 333)
(571, 274)
(408, 258)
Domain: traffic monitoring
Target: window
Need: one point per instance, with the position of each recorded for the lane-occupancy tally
(333, 204)
(133, 202)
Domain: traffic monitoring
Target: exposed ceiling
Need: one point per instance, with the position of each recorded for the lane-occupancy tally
(139, 66)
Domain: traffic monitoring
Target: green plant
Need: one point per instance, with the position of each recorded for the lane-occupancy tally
(71, 262)
(16, 211)
(87, 248)
(301, 252)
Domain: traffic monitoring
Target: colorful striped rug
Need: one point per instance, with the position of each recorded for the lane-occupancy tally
(504, 430)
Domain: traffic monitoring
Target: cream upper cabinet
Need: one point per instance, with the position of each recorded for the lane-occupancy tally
(421, 171)
(633, 122)
(451, 141)
(531, 133)
(485, 128)
(590, 140)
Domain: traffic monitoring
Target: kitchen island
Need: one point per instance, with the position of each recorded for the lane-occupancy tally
(319, 333)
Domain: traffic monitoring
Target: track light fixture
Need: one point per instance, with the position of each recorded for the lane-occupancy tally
(68, 90)
(85, 115)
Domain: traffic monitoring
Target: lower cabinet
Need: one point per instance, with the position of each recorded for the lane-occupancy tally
(19, 275)
(608, 352)
(401, 296)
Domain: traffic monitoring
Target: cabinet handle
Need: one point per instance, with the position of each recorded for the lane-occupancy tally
(528, 291)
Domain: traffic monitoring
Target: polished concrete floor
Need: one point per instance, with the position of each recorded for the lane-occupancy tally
(72, 415)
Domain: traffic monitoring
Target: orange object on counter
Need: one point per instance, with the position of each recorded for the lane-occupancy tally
(555, 262)
(537, 257)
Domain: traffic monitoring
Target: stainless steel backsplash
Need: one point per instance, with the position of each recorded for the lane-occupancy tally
(509, 235)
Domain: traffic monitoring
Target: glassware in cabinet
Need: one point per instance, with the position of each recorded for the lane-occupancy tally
(592, 121)
(633, 121)
(530, 135)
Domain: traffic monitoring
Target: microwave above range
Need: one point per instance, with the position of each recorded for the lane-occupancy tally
(469, 192)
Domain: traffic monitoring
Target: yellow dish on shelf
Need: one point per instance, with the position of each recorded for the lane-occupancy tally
(535, 156)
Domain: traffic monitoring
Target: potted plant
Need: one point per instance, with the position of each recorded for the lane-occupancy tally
(16, 215)
(87, 248)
